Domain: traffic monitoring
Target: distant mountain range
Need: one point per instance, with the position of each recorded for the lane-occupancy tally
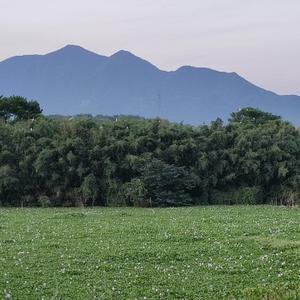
(73, 80)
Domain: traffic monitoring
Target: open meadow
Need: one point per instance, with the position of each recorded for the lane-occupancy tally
(236, 252)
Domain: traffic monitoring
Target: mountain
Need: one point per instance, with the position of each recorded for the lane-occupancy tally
(73, 80)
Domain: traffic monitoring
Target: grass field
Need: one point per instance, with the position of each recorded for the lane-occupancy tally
(124, 253)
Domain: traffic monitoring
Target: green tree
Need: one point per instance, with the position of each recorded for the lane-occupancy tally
(89, 189)
(18, 108)
(167, 185)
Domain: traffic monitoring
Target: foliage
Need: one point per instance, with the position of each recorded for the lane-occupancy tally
(18, 108)
(135, 193)
(167, 185)
(89, 189)
(44, 201)
(86, 161)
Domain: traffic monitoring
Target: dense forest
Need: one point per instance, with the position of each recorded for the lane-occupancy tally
(253, 158)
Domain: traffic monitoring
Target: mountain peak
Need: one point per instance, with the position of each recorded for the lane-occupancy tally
(123, 54)
(127, 58)
(73, 47)
(72, 50)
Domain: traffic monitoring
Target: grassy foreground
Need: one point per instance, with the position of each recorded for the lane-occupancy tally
(127, 253)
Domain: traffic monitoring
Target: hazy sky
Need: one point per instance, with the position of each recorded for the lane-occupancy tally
(259, 39)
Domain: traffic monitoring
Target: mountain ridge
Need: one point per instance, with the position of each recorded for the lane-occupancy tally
(74, 80)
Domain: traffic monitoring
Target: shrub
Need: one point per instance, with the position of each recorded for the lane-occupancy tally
(44, 201)
(135, 193)
(168, 185)
(242, 195)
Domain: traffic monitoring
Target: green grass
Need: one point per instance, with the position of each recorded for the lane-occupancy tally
(127, 253)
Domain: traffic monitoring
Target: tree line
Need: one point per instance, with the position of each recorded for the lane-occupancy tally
(253, 158)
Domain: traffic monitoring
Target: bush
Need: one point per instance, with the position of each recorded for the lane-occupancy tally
(44, 201)
(114, 196)
(242, 195)
(168, 185)
(286, 197)
(246, 195)
(135, 193)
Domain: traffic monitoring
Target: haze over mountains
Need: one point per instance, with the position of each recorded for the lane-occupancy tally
(73, 80)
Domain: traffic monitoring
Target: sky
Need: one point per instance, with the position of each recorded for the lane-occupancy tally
(259, 39)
